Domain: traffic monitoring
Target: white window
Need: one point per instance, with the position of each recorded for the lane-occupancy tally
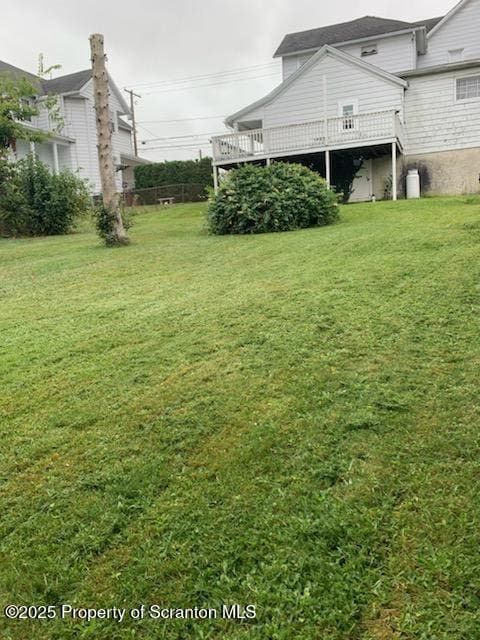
(468, 88)
(347, 110)
(369, 50)
(455, 55)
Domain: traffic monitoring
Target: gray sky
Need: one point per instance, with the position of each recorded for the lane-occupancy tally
(150, 42)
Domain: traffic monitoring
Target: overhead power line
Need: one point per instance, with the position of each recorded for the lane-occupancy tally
(175, 147)
(181, 120)
(203, 134)
(205, 85)
(207, 76)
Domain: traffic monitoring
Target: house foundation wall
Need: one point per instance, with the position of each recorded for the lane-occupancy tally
(449, 173)
(445, 173)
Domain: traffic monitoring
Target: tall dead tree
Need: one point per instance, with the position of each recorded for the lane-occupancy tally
(114, 233)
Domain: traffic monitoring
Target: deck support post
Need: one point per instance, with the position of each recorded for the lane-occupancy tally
(215, 178)
(394, 171)
(327, 168)
(269, 162)
(56, 166)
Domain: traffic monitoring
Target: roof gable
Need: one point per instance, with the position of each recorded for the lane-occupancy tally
(449, 15)
(366, 27)
(317, 57)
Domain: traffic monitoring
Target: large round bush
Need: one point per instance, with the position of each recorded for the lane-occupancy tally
(282, 197)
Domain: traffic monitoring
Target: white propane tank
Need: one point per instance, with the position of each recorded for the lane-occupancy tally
(413, 184)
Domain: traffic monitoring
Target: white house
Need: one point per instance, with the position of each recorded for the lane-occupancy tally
(74, 145)
(392, 94)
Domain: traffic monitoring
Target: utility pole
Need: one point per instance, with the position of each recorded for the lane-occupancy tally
(116, 233)
(200, 155)
(132, 109)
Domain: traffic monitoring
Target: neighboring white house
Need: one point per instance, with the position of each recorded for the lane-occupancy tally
(74, 146)
(394, 95)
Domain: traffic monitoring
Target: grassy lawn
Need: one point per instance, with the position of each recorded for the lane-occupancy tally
(289, 421)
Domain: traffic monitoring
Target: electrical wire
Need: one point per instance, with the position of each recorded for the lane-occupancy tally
(181, 120)
(211, 84)
(207, 76)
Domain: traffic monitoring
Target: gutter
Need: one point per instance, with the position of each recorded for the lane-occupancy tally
(441, 68)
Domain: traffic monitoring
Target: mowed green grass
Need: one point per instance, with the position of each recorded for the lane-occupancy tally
(289, 421)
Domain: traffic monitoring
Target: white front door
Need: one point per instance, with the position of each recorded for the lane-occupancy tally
(362, 185)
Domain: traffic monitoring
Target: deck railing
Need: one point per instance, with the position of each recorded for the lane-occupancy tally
(342, 132)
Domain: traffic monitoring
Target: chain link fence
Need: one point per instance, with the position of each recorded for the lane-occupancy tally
(176, 193)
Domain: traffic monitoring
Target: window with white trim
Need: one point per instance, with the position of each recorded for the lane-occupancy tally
(347, 110)
(468, 88)
(348, 113)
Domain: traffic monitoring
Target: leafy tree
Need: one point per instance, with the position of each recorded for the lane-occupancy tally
(17, 106)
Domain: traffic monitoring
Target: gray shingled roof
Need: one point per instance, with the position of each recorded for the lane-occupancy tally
(366, 27)
(15, 71)
(65, 84)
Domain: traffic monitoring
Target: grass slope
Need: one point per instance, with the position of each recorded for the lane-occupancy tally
(283, 420)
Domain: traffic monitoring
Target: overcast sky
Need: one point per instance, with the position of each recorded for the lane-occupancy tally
(150, 42)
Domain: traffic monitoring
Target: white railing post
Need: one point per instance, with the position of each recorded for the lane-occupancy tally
(394, 170)
(327, 168)
(56, 165)
(266, 141)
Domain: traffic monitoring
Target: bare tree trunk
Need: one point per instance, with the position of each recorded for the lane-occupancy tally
(104, 137)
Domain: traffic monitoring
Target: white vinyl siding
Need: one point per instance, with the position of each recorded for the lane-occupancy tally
(124, 141)
(292, 63)
(303, 100)
(84, 152)
(435, 120)
(461, 30)
(83, 123)
(289, 66)
(394, 54)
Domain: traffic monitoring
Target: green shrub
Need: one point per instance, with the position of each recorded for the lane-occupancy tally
(282, 197)
(104, 222)
(34, 201)
(174, 172)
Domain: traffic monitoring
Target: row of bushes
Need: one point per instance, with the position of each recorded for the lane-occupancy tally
(158, 174)
(34, 201)
(252, 199)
